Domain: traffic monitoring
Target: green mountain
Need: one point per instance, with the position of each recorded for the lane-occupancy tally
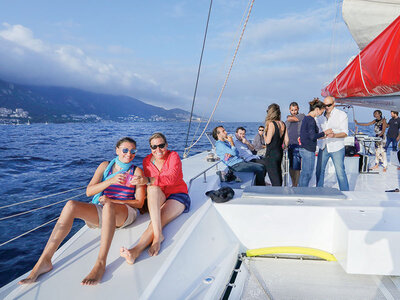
(60, 104)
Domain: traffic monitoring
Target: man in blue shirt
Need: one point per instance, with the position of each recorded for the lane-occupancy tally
(227, 152)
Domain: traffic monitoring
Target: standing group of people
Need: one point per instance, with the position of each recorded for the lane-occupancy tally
(120, 188)
(391, 138)
(324, 125)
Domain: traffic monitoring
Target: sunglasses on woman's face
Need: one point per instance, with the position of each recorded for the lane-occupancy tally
(126, 150)
(154, 147)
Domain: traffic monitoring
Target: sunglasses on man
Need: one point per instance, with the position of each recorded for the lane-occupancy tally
(161, 146)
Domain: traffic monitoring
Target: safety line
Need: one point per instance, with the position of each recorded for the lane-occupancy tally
(9, 205)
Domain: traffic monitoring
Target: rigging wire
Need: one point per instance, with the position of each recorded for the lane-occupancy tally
(35, 209)
(26, 201)
(198, 72)
(236, 35)
(29, 231)
(226, 79)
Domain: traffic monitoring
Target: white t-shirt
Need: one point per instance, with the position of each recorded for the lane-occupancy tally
(338, 122)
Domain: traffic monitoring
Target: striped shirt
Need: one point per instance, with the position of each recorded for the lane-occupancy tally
(121, 192)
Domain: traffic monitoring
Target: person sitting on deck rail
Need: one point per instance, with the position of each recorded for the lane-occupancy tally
(259, 142)
(167, 195)
(246, 149)
(117, 196)
(227, 152)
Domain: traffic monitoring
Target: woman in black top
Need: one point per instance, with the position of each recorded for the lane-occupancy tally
(276, 138)
(309, 134)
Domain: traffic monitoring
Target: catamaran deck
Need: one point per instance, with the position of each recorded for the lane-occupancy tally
(201, 247)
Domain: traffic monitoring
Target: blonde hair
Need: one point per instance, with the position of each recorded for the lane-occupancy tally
(273, 114)
(156, 136)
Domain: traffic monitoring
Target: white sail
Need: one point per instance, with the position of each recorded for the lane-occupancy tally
(367, 18)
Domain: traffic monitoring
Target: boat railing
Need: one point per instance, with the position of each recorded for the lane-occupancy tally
(204, 173)
(36, 209)
(285, 168)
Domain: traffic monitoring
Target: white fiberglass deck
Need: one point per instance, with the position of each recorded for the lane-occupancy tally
(201, 247)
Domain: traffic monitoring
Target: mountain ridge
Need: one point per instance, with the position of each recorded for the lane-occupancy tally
(64, 104)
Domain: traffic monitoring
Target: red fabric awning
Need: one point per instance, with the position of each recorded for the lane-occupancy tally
(375, 71)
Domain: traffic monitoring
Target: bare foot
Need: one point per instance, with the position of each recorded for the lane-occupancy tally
(41, 267)
(130, 255)
(155, 246)
(384, 169)
(95, 275)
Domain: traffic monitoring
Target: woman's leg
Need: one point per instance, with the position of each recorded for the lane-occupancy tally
(114, 215)
(155, 199)
(71, 210)
(169, 211)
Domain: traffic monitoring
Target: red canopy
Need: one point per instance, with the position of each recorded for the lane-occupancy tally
(375, 71)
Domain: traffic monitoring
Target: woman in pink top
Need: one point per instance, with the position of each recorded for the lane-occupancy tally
(167, 195)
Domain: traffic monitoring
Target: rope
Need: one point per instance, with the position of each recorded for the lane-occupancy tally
(361, 73)
(226, 79)
(5, 206)
(198, 72)
(25, 212)
(25, 233)
(237, 32)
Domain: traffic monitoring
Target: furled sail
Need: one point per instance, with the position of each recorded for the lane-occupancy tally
(367, 18)
(375, 71)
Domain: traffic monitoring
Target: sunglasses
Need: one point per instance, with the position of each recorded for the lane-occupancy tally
(161, 146)
(329, 105)
(126, 150)
(260, 129)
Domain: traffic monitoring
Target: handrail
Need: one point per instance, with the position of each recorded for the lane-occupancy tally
(25, 212)
(9, 205)
(201, 173)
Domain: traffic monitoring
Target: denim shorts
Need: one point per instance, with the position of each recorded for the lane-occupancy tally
(182, 198)
(294, 157)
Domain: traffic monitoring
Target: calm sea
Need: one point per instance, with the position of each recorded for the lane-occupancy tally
(40, 160)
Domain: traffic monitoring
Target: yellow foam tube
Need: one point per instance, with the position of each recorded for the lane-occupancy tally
(291, 249)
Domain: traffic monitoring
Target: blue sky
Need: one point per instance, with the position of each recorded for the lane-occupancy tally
(150, 50)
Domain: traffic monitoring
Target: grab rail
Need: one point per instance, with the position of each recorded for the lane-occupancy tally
(203, 172)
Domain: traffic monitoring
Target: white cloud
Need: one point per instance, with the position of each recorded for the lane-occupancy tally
(22, 36)
(27, 59)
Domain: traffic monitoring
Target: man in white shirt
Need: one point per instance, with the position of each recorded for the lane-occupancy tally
(333, 146)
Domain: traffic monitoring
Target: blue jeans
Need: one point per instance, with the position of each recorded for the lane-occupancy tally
(307, 166)
(338, 162)
(391, 141)
(257, 169)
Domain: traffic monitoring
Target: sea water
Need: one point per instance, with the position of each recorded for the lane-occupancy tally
(38, 160)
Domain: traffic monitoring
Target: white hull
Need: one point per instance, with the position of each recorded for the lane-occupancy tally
(360, 228)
